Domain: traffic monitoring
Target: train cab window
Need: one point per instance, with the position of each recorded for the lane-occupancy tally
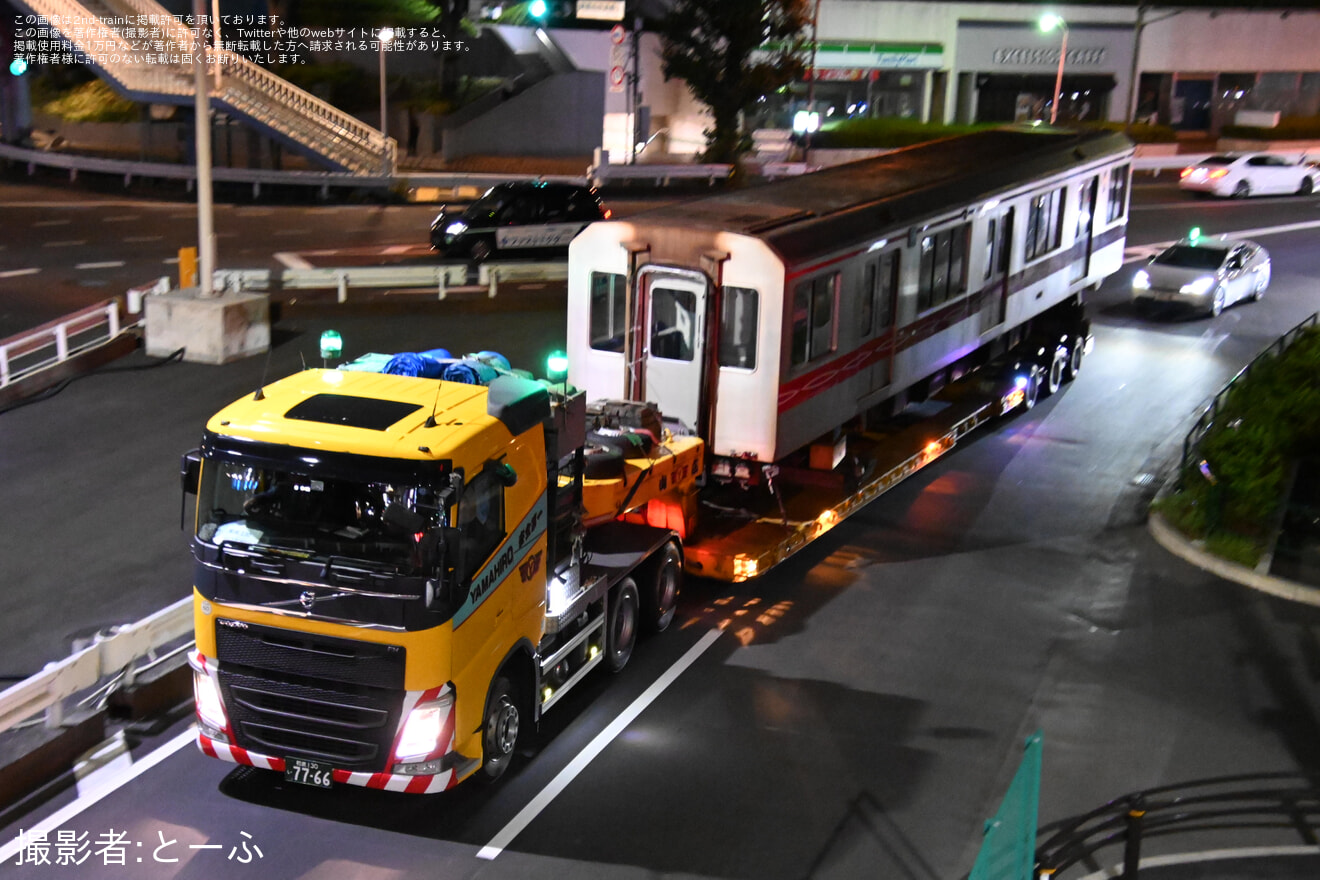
(481, 520)
(673, 323)
(1118, 192)
(608, 316)
(738, 322)
(813, 318)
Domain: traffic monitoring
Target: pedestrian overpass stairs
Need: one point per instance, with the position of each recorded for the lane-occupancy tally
(147, 53)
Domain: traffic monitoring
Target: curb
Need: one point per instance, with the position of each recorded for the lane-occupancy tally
(1172, 540)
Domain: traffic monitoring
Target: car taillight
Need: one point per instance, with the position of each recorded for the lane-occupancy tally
(1185, 172)
(608, 213)
(1218, 173)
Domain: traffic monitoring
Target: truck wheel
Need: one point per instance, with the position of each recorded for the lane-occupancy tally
(621, 628)
(499, 734)
(663, 578)
(1057, 369)
(1075, 354)
(1032, 391)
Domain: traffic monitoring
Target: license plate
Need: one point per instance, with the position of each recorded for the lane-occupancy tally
(307, 772)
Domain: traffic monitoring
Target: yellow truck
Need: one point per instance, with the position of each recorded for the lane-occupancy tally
(394, 576)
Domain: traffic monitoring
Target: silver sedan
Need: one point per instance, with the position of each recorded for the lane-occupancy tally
(1206, 274)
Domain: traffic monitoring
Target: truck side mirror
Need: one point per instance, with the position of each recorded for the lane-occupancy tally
(442, 590)
(190, 479)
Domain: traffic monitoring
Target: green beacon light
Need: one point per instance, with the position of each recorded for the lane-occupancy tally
(1195, 235)
(332, 345)
(538, 9)
(556, 366)
(18, 67)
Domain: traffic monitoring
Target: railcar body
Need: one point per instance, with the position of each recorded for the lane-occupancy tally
(769, 317)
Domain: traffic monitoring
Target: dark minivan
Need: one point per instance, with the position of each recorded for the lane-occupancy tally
(516, 220)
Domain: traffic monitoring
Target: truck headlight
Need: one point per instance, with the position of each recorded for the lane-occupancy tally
(1141, 280)
(1198, 287)
(423, 728)
(210, 705)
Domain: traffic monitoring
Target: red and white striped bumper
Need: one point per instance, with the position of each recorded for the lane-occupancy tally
(383, 781)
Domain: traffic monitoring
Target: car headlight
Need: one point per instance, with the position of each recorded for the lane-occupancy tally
(1199, 287)
(1141, 280)
(422, 731)
(458, 227)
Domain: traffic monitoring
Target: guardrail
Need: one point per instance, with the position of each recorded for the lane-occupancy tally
(659, 175)
(1204, 422)
(114, 655)
(57, 341)
(1157, 164)
(443, 278)
(1285, 801)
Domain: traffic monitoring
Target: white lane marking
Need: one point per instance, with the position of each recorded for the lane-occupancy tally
(524, 818)
(290, 260)
(398, 248)
(140, 239)
(108, 264)
(68, 811)
(15, 273)
(52, 223)
(71, 243)
(120, 218)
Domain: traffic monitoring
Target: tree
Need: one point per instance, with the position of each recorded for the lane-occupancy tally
(731, 54)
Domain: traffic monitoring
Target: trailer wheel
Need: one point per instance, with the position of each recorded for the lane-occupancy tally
(1032, 391)
(499, 735)
(1075, 353)
(621, 628)
(663, 578)
(1057, 369)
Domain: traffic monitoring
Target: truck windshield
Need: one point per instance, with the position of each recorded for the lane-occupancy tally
(265, 508)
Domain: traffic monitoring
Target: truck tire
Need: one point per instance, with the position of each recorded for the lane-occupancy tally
(1056, 371)
(1032, 391)
(621, 628)
(662, 579)
(499, 734)
(1075, 353)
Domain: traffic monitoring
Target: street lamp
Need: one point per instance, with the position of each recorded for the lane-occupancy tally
(383, 37)
(1048, 22)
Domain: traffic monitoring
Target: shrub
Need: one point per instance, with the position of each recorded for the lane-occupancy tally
(93, 101)
(886, 133)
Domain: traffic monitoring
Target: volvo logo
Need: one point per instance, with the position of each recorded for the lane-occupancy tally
(307, 599)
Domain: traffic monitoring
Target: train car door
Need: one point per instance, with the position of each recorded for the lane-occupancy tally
(675, 333)
(1085, 225)
(999, 250)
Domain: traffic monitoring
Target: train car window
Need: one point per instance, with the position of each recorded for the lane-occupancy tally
(813, 318)
(884, 295)
(1085, 208)
(866, 301)
(1118, 186)
(608, 317)
(673, 323)
(738, 322)
(990, 247)
(1044, 223)
(943, 267)
(957, 260)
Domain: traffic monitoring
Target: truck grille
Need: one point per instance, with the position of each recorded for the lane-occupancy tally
(306, 696)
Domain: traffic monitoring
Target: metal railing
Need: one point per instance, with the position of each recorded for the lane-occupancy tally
(1206, 420)
(1261, 802)
(442, 278)
(57, 341)
(113, 656)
